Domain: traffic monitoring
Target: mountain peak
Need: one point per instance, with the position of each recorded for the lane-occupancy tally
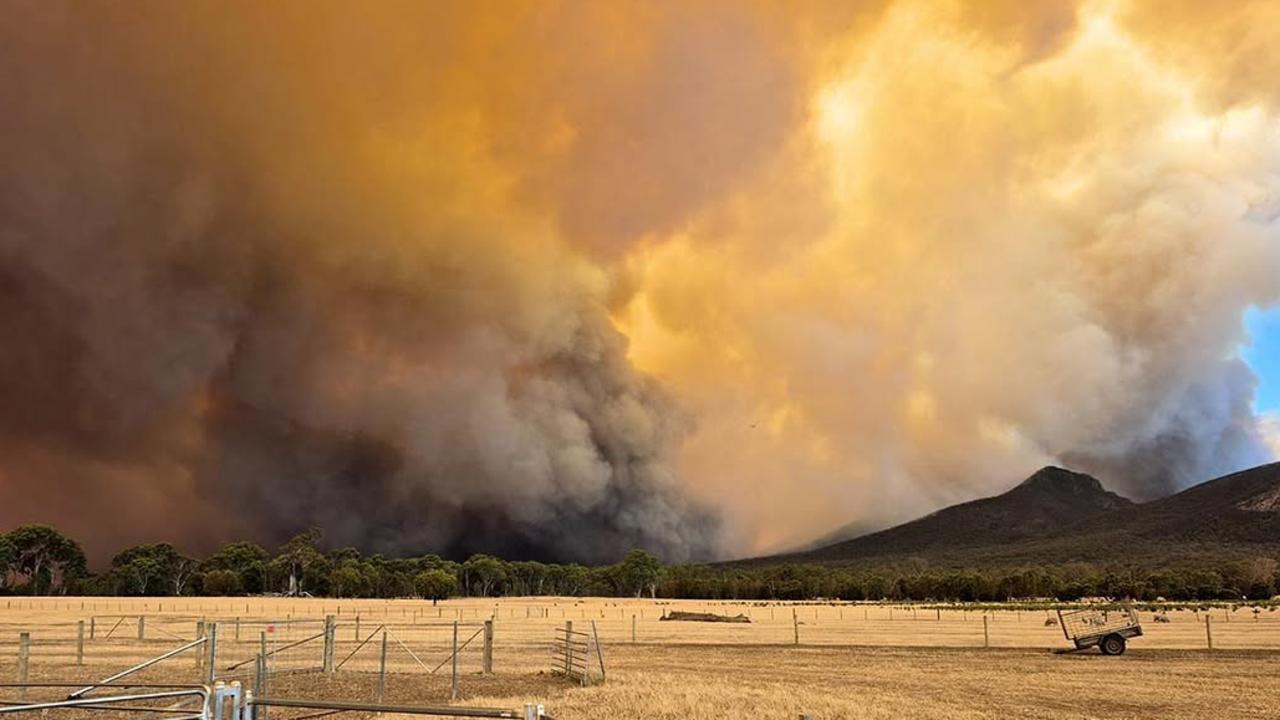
(1048, 501)
(1057, 515)
(1054, 478)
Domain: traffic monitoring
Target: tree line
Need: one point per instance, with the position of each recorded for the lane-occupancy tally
(39, 560)
(913, 579)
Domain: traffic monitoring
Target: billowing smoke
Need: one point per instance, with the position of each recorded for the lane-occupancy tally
(552, 279)
(1008, 234)
(268, 267)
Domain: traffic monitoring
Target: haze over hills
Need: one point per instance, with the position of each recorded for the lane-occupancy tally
(1049, 499)
(1240, 510)
(1057, 515)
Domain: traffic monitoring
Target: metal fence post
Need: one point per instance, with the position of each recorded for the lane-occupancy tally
(80, 643)
(382, 668)
(487, 666)
(211, 669)
(199, 634)
(260, 686)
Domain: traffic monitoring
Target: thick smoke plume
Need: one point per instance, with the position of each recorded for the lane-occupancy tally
(268, 267)
(550, 279)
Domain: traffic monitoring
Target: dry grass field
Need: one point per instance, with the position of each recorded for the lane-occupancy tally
(853, 661)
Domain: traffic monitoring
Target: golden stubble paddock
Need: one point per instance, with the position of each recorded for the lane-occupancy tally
(852, 660)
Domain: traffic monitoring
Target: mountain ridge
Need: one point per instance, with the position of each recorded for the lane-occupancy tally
(1057, 515)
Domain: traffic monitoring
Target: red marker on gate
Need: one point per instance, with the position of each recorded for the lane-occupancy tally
(271, 629)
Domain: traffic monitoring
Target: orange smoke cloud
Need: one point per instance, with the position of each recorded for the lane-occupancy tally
(993, 241)
(554, 278)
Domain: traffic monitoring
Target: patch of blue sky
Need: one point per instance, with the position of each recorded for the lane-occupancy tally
(1262, 354)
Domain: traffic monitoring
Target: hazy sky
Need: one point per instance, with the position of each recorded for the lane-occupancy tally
(558, 278)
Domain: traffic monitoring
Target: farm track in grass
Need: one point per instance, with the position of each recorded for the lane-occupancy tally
(853, 661)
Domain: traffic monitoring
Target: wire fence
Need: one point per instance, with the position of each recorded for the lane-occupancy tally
(262, 653)
(220, 655)
(419, 635)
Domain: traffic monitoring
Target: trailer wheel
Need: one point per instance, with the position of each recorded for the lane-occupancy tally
(1112, 645)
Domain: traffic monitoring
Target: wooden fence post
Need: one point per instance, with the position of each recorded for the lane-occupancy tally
(568, 647)
(142, 627)
(595, 638)
(986, 633)
(795, 624)
(633, 629)
(487, 666)
(454, 685)
(80, 643)
(237, 629)
(200, 634)
(357, 636)
(1208, 630)
(24, 657)
(260, 679)
(93, 627)
(330, 638)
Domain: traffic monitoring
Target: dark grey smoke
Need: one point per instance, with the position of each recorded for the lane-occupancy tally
(235, 297)
(1206, 431)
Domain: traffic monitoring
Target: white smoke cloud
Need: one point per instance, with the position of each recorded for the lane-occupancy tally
(1019, 253)
(1269, 427)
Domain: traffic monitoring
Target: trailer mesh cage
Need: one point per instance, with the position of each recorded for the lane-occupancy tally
(1094, 622)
